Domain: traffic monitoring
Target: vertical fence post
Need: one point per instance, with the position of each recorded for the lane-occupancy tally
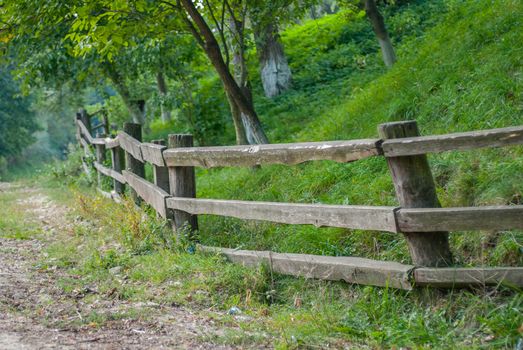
(161, 173)
(117, 161)
(182, 183)
(84, 117)
(100, 158)
(415, 188)
(134, 165)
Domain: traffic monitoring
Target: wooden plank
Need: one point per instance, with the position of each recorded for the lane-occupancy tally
(460, 219)
(99, 141)
(118, 164)
(112, 143)
(110, 172)
(456, 141)
(465, 277)
(130, 145)
(182, 183)
(84, 131)
(415, 188)
(348, 269)
(321, 215)
(292, 153)
(153, 153)
(153, 195)
(104, 193)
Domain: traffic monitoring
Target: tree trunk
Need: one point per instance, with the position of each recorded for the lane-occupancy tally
(275, 73)
(378, 25)
(241, 75)
(241, 138)
(326, 6)
(213, 52)
(136, 108)
(162, 89)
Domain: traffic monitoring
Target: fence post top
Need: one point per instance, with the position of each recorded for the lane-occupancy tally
(180, 140)
(393, 130)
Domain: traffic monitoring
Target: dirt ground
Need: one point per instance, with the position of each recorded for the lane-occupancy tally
(35, 313)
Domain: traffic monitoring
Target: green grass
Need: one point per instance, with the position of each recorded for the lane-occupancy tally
(459, 69)
(329, 313)
(14, 223)
(464, 73)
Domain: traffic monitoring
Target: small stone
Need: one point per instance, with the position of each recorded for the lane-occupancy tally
(115, 270)
(234, 311)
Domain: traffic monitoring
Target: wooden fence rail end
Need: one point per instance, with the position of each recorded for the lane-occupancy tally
(456, 141)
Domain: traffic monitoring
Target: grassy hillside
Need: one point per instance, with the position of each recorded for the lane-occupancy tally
(463, 74)
(460, 68)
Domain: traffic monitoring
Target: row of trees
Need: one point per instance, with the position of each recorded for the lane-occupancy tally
(81, 43)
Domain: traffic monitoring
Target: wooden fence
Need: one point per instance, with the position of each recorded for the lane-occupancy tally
(421, 220)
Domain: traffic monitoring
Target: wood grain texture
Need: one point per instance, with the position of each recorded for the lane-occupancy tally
(161, 173)
(460, 219)
(456, 141)
(292, 153)
(154, 196)
(99, 141)
(118, 164)
(84, 131)
(110, 172)
(152, 153)
(130, 145)
(465, 277)
(100, 159)
(182, 183)
(415, 188)
(354, 217)
(130, 140)
(348, 269)
(112, 143)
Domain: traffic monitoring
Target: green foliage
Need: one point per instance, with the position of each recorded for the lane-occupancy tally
(289, 312)
(439, 82)
(17, 122)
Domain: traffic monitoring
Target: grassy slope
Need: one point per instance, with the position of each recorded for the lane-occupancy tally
(464, 74)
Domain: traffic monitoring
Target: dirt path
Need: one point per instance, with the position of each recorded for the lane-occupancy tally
(35, 313)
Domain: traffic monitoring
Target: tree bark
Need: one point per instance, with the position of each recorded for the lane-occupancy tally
(162, 89)
(210, 45)
(378, 25)
(415, 188)
(241, 138)
(275, 72)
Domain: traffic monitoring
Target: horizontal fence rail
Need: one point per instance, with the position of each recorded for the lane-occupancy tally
(452, 142)
(320, 215)
(285, 153)
(506, 217)
(348, 269)
(152, 194)
(173, 170)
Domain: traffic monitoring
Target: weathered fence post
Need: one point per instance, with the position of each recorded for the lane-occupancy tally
(100, 158)
(182, 183)
(415, 188)
(161, 173)
(117, 161)
(84, 118)
(134, 165)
